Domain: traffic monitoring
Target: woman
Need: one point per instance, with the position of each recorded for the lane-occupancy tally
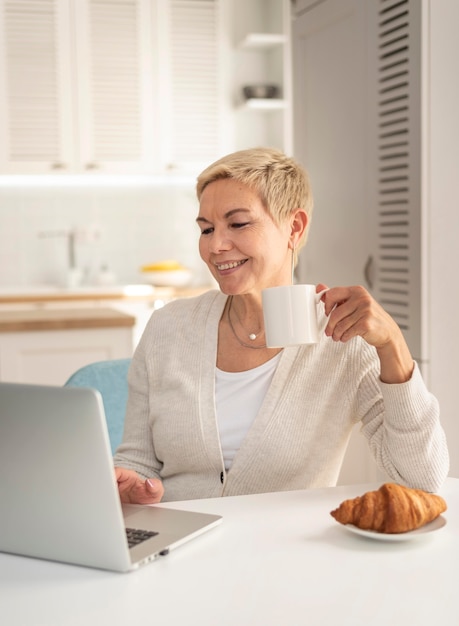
(212, 411)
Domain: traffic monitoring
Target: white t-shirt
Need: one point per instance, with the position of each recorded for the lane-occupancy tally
(238, 398)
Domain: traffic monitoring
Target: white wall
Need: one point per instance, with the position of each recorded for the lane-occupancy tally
(137, 225)
(443, 235)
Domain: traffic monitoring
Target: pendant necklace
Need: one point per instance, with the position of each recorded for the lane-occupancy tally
(252, 336)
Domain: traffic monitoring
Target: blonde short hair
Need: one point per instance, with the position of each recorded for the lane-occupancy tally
(281, 183)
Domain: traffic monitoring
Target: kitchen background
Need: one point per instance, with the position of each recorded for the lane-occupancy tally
(117, 227)
(109, 109)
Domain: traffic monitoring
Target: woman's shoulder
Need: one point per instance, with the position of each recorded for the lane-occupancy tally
(183, 319)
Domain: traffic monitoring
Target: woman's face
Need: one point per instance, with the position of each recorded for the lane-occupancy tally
(240, 243)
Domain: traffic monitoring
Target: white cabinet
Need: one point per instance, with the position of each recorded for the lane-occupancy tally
(150, 87)
(49, 358)
(377, 109)
(109, 86)
(73, 95)
(36, 132)
(190, 36)
(261, 55)
(46, 347)
(114, 106)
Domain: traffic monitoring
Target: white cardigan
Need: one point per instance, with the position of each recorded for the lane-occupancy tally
(298, 439)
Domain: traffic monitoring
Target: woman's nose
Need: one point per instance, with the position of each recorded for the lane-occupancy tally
(220, 241)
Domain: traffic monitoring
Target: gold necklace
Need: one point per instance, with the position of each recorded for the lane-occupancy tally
(252, 336)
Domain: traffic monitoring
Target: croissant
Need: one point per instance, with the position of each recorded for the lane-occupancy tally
(391, 509)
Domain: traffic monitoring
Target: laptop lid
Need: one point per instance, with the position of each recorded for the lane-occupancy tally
(58, 489)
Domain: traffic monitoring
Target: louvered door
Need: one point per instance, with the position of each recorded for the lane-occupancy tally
(395, 176)
(36, 127)
(114, 85)
(190, 83)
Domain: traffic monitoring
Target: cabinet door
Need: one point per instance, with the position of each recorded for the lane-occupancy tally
(114, 78)
(191, 86)
(398, 166)
(36, 117)
(51, 357)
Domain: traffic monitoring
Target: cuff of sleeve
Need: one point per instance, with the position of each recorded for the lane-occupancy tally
(406, 403)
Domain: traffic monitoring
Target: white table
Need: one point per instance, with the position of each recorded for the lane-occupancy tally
(276, 560)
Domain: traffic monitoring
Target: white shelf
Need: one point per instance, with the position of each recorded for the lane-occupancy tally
(264, 104)
(262, 41)
(261, 56)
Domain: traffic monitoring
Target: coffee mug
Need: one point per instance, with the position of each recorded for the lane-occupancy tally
(290, 315)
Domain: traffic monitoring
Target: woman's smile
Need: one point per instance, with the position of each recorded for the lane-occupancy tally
(229, 265)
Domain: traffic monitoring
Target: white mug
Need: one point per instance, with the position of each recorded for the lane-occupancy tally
(290, 315)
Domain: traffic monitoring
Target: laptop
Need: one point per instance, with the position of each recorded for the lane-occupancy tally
(58, 489)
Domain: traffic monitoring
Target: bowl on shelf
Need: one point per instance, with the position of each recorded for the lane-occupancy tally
(260, 91)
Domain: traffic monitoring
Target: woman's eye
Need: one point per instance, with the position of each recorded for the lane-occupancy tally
(239, 224)
(207, 231)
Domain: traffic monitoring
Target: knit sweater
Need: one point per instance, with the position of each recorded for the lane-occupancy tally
(299, 437)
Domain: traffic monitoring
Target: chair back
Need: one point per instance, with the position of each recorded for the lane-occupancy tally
(110, 379)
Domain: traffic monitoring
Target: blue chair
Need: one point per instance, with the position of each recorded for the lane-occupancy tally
(110, 379)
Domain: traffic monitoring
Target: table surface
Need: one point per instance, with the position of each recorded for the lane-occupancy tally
(275, 560)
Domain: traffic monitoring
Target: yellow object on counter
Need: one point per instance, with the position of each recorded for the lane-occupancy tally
(169, 265)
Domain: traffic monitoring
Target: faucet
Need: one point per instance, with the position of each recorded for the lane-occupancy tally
(71, 236)
(73, 277)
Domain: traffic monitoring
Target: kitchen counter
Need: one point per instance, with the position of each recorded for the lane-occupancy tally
(48, 332)
(46, 346)
(43, 294)
(63, 319)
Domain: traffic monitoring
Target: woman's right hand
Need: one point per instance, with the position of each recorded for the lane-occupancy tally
(135, 490)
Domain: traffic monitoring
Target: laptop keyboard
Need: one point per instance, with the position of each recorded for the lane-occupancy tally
(136, 536)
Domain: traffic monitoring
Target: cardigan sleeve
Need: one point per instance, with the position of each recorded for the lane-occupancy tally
(404, 433)
(136, 452)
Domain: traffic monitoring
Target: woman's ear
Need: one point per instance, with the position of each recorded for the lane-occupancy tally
(298, 225)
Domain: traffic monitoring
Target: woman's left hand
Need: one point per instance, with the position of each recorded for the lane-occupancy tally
(354, 312)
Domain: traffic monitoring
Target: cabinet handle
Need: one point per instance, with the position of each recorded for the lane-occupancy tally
(368, 272)
(57, 166)
(92, 166)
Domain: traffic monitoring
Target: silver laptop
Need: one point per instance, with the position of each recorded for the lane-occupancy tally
(58, 489)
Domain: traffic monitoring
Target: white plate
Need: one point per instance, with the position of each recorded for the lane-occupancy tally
(419, 533)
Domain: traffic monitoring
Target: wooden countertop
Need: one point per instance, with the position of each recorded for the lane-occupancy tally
(127, 293)
(63, 319)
